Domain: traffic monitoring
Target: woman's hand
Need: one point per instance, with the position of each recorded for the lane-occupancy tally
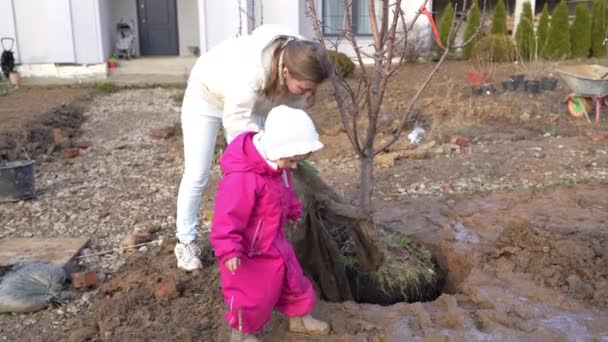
(232, 264)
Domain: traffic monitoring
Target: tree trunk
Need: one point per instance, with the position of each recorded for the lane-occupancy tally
(366, 182)
(370, 256)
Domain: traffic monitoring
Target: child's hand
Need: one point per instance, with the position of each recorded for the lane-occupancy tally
(232, 264)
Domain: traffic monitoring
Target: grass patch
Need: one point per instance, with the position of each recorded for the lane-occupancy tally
(569, 180)
(407, 274)
(106, 87)
(178, 98)
(5, 87)
(176, 129)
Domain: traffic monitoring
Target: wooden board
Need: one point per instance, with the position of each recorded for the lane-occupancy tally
(57, 251)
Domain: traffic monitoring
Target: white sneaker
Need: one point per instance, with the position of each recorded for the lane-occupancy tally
(236, 336)
(188, 256)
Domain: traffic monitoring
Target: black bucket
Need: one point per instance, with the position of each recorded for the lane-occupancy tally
(532, 86)
(17, 181)
(476, 90)
(488, 89)
(518, 79)
(548, 83)
(509, 85)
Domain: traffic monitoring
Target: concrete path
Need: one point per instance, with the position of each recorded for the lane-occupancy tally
(140, 71)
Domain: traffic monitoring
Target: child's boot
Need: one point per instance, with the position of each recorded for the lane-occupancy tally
(237, 336)
(308, 325)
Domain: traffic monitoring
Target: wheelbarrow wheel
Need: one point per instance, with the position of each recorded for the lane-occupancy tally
(578, 106)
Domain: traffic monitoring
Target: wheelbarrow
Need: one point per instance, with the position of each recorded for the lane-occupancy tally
(589, 85)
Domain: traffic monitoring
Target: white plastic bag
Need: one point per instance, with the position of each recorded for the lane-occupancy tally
(31, 287)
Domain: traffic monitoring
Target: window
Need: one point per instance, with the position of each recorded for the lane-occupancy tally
(333, 16)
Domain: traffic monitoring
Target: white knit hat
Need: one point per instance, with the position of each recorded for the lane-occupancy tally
(289, 132)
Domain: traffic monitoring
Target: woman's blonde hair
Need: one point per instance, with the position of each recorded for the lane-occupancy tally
(305, 60)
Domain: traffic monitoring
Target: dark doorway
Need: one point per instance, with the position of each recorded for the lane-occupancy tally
(157, 27)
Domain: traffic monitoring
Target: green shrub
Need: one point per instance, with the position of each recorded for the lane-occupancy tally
(106, 87)
(5, 87)
(473, 22)
(445, 24)
(344, 65)
(524, 36)
(499, 19)
(178, 98)
(580, 32)
(598, 25)
(495, 48)
(558, 43)
(543, 30)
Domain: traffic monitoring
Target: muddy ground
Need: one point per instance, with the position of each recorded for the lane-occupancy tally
(517, 219)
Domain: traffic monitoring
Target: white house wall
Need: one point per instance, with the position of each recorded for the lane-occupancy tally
(44, 30)
(284, 13)
(305, 26)
(88, 41)
(420, 37)
(187, 21)
(53, 31)
(105, 28)
(7, 24)
(221, 21)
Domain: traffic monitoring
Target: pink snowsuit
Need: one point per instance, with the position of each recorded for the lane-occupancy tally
(252, 204)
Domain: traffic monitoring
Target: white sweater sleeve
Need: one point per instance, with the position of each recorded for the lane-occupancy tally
(238, 117)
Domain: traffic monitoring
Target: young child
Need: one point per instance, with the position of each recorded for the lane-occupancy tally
(258, 266)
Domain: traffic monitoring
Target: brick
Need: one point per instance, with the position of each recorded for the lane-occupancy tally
(461, 141)
(56, 136)
(159, 133)
(71, 153)
(165, 289)
(597, 136)
(135, 238)
(81, 144)
(84, 279)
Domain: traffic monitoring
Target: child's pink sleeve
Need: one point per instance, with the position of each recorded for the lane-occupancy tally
(234, 204)
(295, 206)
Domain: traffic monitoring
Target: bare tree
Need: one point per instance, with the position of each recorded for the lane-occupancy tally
(359, 105)
(252, 19)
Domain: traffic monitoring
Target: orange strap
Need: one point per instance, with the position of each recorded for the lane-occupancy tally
(428, 14)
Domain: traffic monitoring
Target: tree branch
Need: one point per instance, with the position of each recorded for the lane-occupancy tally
(373, 22)
(391, 37)
(383, 21)
(412, 103)
(342, 90)
(348, 34)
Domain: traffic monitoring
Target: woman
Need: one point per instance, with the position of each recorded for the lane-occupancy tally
(235, 85)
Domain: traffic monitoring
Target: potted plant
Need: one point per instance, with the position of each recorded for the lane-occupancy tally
(15, 79)
(548, 82)
(482, 75)
(532, 70)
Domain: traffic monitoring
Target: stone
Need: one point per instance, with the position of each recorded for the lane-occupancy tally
(160, 133)
(81, 144)
(578, 287)
(134, 238)
(385, 160)
(84, 279)
(459, 140)
(71, 153)
(597, 136)
(165, 289)
(56, 136)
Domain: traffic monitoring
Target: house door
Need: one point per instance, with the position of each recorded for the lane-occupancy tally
(157, 27)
